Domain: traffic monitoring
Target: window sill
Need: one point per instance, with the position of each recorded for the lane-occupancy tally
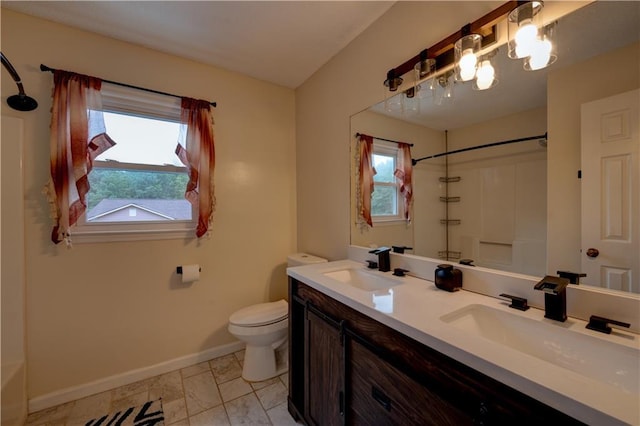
(390, 222)
(85, 237)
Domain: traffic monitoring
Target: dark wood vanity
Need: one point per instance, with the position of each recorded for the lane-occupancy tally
(347, 368)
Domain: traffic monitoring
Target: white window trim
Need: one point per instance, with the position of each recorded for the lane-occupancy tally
(389, 149)
(139, 103)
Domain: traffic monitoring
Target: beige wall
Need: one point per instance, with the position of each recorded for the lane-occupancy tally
(347, 84)
(104, 309)
(568, 88)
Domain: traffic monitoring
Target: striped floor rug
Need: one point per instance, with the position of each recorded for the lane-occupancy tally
(147, 414)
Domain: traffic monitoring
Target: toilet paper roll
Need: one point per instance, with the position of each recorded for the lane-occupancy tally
(190, 273)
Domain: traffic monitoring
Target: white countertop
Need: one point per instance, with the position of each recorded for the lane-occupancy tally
(414, 308)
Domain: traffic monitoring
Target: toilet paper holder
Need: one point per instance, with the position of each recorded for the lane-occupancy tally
(179, 270)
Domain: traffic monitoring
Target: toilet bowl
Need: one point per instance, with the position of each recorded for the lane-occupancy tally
(264, 328)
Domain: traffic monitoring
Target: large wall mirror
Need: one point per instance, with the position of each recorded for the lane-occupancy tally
(499, 205)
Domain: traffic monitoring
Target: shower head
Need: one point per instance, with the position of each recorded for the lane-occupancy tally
(21, 101)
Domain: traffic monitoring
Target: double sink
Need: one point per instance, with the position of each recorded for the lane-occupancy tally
(592, 357)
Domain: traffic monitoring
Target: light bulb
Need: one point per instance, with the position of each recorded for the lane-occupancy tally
(467, 65)
(540, 55)
(525, 38)
(485, 75)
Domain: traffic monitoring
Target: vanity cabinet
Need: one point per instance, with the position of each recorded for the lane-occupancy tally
(349, 369)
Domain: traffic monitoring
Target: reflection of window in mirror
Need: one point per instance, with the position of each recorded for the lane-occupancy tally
(386, 201)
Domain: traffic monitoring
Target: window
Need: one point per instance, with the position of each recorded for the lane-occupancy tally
(137, 186)
(386, 201)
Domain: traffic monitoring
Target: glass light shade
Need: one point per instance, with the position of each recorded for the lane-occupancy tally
(465, 50)
(412, 99)
(395, 104)
(443, 89)
(523, 27)
(544, 52)
(485, 76)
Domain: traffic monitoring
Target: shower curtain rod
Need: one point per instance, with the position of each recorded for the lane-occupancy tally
(381, 139)
(472, 148)
(45, 68)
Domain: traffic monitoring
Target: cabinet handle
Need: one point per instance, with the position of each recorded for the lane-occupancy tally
(379, 396)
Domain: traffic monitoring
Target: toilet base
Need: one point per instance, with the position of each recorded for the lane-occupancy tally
(260, 364)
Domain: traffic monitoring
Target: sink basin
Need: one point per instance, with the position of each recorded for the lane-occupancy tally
(363, 279)
(607, 362)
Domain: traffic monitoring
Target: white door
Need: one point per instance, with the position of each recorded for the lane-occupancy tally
(611, 192)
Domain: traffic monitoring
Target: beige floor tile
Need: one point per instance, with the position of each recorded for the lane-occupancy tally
(240, 357)
(246, 410)
(183, 422)
(279, 416)
(167, 386)
(226, 368)
(174, 410)
(201, 393)
(272, 395)
(234, 389)
(264, 383)
(130, 401)
(195, 369)
(214, 417)
(130, 389)
(50, 415)
(89, 408)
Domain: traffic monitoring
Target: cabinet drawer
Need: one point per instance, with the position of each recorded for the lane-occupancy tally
(379, 394)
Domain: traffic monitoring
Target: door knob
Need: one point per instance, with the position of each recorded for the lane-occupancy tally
(593, 253)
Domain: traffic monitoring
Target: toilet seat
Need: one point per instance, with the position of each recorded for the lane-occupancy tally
(261, 314)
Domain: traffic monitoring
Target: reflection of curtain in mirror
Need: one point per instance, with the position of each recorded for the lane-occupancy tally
(364, 186)
(404, 173)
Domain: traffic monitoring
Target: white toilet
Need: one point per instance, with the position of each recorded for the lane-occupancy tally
(264, 328)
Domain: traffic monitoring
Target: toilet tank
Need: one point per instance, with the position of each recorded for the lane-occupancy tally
(299, 259)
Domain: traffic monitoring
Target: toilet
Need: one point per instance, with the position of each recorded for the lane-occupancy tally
(264, 329)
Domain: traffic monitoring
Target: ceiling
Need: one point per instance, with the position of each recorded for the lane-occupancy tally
(282, 42)
(599, 27)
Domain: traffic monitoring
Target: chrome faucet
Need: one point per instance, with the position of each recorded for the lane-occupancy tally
(555, 297)
(384, 260)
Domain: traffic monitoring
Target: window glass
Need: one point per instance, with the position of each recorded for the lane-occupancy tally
(385, 199)
(138, 185)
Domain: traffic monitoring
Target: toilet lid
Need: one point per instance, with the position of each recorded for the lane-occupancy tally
(260, 314)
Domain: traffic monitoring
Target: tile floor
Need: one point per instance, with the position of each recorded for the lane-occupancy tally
(207, 394)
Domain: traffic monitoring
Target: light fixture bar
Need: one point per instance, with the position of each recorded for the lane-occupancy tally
(442, 51)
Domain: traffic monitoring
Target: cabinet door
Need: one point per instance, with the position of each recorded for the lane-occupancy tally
(324, 370)
(380, 394)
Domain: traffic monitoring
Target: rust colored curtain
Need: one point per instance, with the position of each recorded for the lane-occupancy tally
(365, 178)
(78, 136)
(200, 159)
(403, 174)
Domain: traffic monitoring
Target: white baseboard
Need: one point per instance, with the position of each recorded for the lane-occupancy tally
(76, 392)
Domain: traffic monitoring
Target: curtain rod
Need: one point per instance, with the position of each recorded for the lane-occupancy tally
(472, 148)
(382, 139)
(44, 68)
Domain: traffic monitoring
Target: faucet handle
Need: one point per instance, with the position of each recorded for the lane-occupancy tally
(517, 302)
(400, 249)
(574, 277)
(601, 324)
(399, 272)
(372, 264)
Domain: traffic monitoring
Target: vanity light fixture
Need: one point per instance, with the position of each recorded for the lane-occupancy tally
(459, 51)
(528, 38)
(465, 50)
